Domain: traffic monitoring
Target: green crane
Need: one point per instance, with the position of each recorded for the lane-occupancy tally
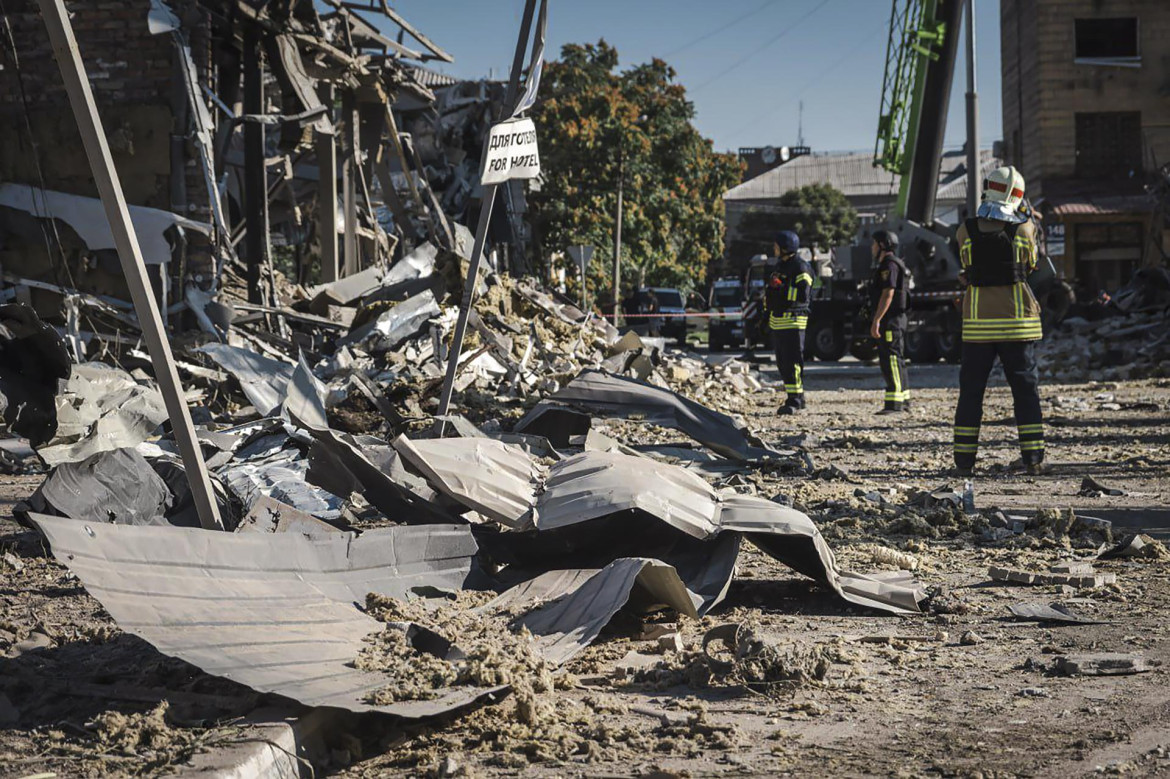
(920, 61)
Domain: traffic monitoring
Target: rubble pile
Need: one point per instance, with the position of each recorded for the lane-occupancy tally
(1127, 338)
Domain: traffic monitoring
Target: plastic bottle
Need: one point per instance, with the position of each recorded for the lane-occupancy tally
(968, 498)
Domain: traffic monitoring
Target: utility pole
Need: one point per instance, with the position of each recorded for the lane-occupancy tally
(974, 183)
(617, 240)
(105, 176)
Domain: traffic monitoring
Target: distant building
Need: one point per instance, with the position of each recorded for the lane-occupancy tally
(1086, 119)
(872, 191)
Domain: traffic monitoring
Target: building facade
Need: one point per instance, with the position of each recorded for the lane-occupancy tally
(1086, 119)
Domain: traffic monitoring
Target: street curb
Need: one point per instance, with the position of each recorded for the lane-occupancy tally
(278, 747)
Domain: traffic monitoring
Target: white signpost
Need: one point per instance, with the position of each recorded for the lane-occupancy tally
(512, 152)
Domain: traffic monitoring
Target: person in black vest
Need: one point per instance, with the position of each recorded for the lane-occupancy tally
(890, 296)
(787, 299)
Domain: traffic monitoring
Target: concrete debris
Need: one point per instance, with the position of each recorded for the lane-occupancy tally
(1086, 580)
(1126, 338)
(1091, 488)
(1054, 613)
(1104, 664)
(1137, 546)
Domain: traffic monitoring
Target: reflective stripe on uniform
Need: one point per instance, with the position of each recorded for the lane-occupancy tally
(788, 321)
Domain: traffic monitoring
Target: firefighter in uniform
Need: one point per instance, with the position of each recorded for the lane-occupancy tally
(787, 301)
(890, 292)
(1001, 318)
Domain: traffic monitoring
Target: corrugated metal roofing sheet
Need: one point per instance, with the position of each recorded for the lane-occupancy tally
(272, 611)
(854, 174)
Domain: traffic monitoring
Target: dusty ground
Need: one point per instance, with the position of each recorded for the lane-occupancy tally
(922, 703)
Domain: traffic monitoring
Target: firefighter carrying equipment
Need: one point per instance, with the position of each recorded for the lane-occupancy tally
(998, 304)
(1003, 193)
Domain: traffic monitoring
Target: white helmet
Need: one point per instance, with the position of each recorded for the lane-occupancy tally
(1003, 191)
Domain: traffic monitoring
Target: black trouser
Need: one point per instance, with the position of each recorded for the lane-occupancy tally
(891, 357)
(790, 361)
(1019, 367)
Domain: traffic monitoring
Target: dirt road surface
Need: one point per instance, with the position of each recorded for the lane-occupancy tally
(966, 689)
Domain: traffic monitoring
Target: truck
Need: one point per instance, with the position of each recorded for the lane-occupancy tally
(725, 324)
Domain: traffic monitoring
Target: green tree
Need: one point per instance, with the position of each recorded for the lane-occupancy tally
(819, 213)
(596, 124)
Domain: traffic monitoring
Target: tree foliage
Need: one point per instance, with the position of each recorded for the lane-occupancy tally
(819, 213)
(596, 124)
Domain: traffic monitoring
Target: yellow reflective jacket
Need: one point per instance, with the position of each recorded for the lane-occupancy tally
(1003, 312)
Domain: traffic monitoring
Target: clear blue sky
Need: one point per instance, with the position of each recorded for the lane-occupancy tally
(746, 80)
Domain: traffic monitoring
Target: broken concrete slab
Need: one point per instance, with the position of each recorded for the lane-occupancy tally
(1104, 664)
(1015, 576)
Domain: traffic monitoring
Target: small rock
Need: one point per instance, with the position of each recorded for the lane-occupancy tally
(13, 562)
(971, 638)
(672, 642)
(1034, 692)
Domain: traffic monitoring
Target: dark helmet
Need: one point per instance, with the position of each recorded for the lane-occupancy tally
(886, 240)
(788, 241)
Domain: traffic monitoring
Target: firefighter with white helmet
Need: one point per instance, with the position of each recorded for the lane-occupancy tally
(1001, 318)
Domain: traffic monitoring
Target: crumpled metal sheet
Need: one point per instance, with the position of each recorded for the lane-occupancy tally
(101, 409)
(597, 486)
(273, 612)
(600, 393)
(87, 217)
(118, 486)
(280, 476)
(344, 464)
(579, 603)
(304, 403)
(456, 465)
(264, 380)
(397, 324)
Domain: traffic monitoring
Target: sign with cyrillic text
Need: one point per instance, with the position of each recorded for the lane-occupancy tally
(512, 152)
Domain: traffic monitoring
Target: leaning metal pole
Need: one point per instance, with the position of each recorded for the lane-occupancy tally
(974, 183)
(93, 137)
(485, 215)
(617, 242)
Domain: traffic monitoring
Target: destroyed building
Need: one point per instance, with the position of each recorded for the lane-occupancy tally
(225, 113)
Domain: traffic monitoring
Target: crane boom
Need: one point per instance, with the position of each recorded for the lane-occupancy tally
(920, 65)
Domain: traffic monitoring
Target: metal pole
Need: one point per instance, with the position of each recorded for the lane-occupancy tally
(485, 215)
(255, 170)
(617, 243)
(327, 193)
(974, 183)
(93, 137)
